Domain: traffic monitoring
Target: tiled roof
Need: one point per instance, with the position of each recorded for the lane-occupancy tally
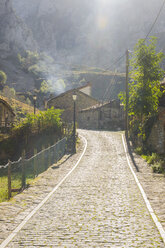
(98, 106)
(75, 89)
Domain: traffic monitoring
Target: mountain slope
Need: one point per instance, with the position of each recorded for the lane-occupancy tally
(14, 34)
(15, 37)
(91, 32)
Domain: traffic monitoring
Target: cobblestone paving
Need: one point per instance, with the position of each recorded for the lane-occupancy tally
(13, 212)
(99, 205)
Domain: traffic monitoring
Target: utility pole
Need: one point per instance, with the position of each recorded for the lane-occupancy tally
(127, 93)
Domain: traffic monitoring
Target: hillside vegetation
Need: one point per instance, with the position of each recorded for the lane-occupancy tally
(51, 78)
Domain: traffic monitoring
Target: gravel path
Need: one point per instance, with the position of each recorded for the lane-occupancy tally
(99, 205)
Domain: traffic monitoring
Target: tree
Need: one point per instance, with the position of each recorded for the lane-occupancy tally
(3, 79)
(144, 88)
(44, 87)
(146, 73)
(9, 92)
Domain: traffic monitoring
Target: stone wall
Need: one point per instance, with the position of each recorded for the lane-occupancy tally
(89, 119)
(109, 116)
(5, 115)
(65, 102)
(156, 140)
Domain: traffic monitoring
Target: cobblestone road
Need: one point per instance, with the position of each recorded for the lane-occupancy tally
(99, 205)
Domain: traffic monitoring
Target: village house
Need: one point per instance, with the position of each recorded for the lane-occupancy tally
(65, 102)
(108, 116)
(7, 115)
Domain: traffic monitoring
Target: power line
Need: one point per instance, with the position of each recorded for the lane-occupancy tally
(109, 86)
(161, 8)
(114, 63)
(118, 59)
(114, 76)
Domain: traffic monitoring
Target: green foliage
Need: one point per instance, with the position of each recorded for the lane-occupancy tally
(44, 121)
(3, 77)
(145, 157)
(8, 92)
(157, 161)
(28, 60)
(158, 167)
(145, 76)
(38, 64)
(144, 88)
(139, 150)
(154, 158)
(35, 69)
(44, 87)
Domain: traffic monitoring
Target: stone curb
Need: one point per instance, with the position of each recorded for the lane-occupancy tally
(155, 219)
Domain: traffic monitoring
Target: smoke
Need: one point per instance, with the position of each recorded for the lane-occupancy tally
(56, 85)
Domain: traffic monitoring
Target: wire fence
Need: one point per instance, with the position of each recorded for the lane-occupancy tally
(16, 176)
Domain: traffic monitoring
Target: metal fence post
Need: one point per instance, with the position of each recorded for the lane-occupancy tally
(9, 180)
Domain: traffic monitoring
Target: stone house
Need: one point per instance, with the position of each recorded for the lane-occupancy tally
(109, 116)
(65, 101)
(7, 114)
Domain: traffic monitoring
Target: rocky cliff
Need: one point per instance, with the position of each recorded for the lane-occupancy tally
(15, 37)
(75, 32)
(14, 34)
(91, 32)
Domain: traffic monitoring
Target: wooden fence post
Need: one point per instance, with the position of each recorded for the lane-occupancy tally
(49, 156)
(43, 158)
(23, 170)
(53, 155)
(35, 164)
(9, 180)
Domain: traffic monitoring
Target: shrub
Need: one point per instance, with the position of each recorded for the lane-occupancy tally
(3, 77)
(154, 158)
(44, 121)
(158, 167)
(8, 92)
(139, 150)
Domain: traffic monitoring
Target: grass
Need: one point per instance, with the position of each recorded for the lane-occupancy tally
(33, 169)
(3, 188)
(16, 184)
